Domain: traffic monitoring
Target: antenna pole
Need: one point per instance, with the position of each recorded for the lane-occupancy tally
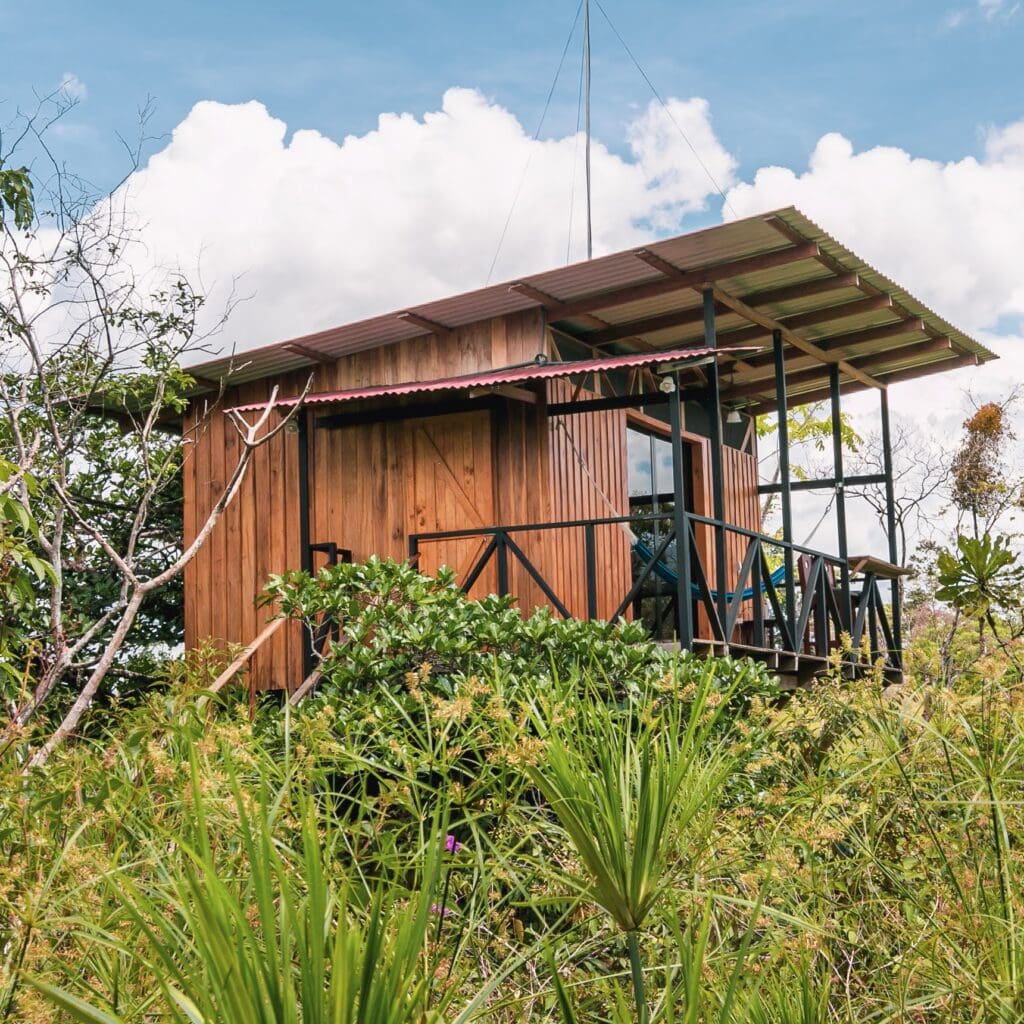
(586, 93)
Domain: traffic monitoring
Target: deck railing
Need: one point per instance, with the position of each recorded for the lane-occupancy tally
(781, 597)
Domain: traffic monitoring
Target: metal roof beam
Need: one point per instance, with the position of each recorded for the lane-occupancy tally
(681, 279)
(431, 326)
(745, 387)
(849, 343)
(839, 312)
(682, 317)
(547, 300)
(756, 317)
(309, 353)
(912, 373)
(790, 233)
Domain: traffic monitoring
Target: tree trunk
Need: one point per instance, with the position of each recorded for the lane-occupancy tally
(99, 673)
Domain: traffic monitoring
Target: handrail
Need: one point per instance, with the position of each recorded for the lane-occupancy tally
(646, 517)
(810, 625)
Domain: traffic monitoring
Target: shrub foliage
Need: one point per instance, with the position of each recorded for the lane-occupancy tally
(485, 816)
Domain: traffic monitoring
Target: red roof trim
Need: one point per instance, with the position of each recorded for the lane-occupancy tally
(508, 375)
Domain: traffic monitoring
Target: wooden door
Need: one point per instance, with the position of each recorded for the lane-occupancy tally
(451, 482)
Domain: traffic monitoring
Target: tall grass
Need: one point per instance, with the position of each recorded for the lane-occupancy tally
(625, 784)
(659, 846)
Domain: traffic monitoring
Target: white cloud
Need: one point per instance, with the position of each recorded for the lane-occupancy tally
(323, 232)
(983, 10)
(997, 8)
(951, 233)
(72, 86)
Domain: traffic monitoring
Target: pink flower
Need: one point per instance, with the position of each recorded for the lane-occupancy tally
(452, 845)
(436, 908)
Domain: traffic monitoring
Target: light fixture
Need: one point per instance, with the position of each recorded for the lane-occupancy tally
(667, 385)
(733, 417)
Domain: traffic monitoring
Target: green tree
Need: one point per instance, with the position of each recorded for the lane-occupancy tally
(22, 574)
(91, 385)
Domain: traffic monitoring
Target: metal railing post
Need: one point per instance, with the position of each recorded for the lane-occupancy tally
(589, 555)
(714, 410)
(502, 553)
(846, 605)
(890, 520)
(785, 492)
(681, 526)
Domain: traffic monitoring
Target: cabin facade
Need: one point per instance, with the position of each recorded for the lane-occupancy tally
(554, 437)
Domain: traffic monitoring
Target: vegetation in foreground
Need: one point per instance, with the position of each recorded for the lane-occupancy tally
(494, 819)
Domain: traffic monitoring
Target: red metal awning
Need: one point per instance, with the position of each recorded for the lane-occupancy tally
(510, 375)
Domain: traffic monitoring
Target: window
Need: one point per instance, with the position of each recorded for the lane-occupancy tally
(650, 467)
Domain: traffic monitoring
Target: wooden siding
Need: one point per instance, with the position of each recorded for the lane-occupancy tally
(256, 536)
(742, 508)
(373, 483)
(358, 492)
(588, 480)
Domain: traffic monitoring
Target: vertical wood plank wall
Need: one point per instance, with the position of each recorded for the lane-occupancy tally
(598, 491)
(364, 481)
(742, 508)
(358, 480)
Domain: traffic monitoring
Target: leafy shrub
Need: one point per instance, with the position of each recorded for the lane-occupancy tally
(424, 683)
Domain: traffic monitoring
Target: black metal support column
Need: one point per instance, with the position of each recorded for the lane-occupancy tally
(846, 604)
(785, 492)
(714, 412)
(305, 551)
(684, 607)
(890, 518)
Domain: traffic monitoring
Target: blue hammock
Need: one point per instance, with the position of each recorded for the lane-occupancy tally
(668, 575)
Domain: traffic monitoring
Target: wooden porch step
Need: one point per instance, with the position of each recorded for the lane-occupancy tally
(799, 665)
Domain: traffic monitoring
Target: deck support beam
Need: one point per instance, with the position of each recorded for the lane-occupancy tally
(684, 607)
(890, 521)
(837, 455)
(305, 551)
(785, 485)
(827, 483)
(714, 412)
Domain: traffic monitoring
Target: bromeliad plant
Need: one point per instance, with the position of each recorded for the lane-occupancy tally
(626, 783)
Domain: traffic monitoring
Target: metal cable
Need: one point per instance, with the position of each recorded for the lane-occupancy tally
(536, 135)
(664, 107)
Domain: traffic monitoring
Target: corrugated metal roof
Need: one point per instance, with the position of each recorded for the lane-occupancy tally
(778, 250)
(509, 375)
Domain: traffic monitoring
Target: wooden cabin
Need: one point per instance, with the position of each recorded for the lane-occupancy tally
(554, 436)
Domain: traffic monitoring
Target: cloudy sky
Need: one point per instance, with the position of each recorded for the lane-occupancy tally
(331, 161)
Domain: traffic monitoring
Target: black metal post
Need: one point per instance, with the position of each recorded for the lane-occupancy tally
(305, 551)
(684, 609)
(890, 518)
(589, 551)
(785, 482)
(846, 604)
(714, 411)
(655, 526)
(502, 553)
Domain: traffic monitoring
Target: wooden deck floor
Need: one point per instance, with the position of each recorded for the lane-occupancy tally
(793, 669)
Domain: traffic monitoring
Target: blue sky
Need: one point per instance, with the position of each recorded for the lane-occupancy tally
(898, 126)
(921, 75)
